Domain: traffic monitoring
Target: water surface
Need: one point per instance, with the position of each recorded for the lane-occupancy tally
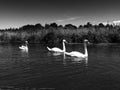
(40, 69)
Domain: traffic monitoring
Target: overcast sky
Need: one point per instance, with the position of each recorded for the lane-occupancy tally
(16, 13)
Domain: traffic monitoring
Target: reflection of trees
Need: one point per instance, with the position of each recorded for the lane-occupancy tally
(80, 60)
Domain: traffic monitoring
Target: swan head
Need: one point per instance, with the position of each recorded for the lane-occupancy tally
(85, 40)
(64, 40)
(26, 42)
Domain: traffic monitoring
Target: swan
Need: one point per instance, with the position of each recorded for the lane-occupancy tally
(58, 50)
(24, 47)
(79, 54)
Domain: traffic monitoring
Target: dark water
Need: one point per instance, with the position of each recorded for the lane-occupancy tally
(38, 69)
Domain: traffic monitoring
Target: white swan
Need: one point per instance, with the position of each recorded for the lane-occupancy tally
(55, 49)
(24, 47)
(79, 54)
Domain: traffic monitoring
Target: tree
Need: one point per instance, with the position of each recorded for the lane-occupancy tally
(80, 26)
(70, 26)
(39, 26)
(53, 25)
(47, 26)
(101, 25)
(60, 26)
(88, 25)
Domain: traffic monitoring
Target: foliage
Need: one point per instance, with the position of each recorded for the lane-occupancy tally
(53, 33)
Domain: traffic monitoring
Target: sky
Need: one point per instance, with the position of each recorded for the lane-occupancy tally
(16, 13)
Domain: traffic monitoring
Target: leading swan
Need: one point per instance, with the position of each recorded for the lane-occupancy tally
(55, 49)
(79, 54)
(24, 47)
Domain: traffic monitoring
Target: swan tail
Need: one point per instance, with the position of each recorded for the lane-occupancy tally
(48, 48)
(19, 47)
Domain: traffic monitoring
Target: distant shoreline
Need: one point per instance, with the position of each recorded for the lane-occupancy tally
(53, 33)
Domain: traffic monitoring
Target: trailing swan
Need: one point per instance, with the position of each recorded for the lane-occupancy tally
(24, 47)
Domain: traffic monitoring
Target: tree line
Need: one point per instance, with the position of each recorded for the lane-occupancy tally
(54, 33)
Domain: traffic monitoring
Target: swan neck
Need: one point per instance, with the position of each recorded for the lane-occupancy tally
(64, 49)
(26, 44)
(86, 52)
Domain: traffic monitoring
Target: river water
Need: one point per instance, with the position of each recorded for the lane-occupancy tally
(39, 69)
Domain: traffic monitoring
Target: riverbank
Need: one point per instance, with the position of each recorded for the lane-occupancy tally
(52, 34)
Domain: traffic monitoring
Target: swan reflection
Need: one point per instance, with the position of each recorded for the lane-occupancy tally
(24, 53)
(64, 59)
(54, 54)
(80, 60)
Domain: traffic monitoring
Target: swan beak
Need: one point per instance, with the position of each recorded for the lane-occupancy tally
(26, 42)
(66, 42)
(88, 42)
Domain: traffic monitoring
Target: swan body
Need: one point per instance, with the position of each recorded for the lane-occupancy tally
(24, 47)
(76, 54)
(55, 49)
(79, 54)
